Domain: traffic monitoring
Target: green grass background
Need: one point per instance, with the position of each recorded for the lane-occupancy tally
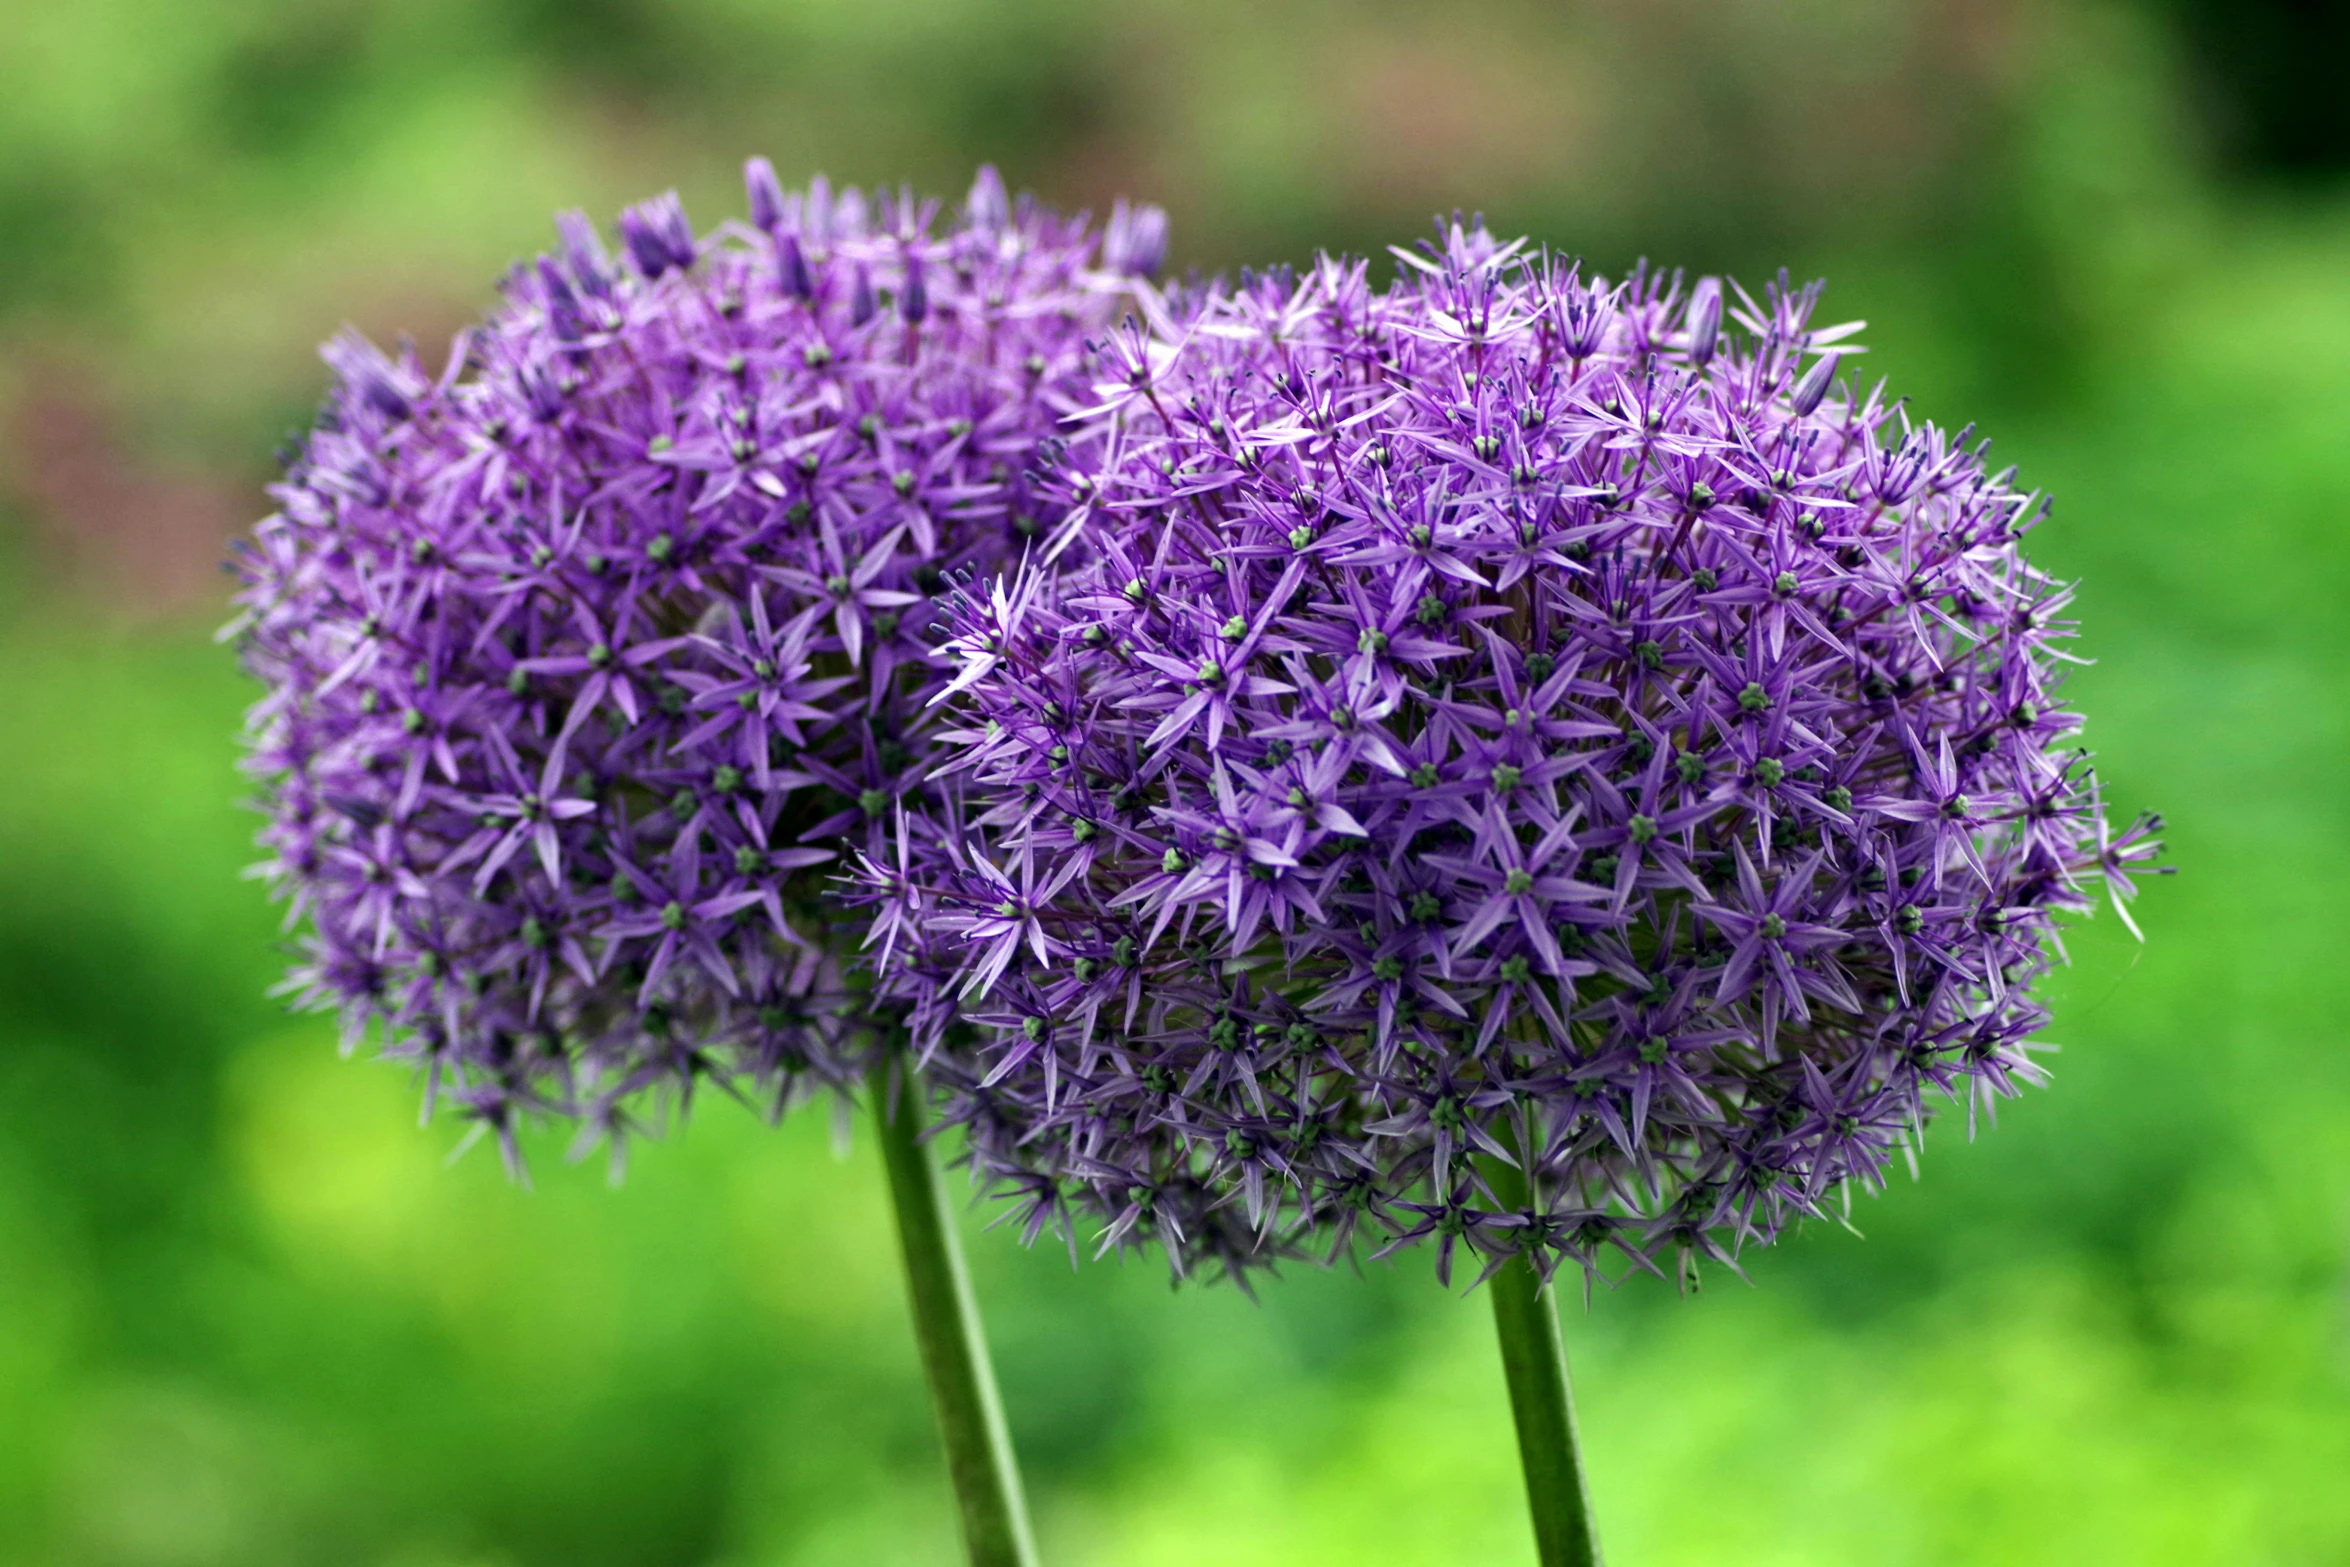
(252, 1314)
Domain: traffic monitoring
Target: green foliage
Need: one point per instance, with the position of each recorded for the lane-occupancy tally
(251, 1314)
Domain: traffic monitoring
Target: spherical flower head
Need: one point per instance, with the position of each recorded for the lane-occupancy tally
(1505, 720)
(584, 657)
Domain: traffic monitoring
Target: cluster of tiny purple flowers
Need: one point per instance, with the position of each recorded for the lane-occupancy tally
(584, 657)
(1506, 724)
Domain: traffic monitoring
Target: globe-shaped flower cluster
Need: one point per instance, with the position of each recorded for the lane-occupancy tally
(1503, 726)
(584, 656)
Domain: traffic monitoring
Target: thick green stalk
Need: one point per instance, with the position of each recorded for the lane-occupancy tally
(1534, 1358)
(946, 1325)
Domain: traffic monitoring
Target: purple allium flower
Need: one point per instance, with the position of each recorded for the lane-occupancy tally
(584, 656)
(1507, 717)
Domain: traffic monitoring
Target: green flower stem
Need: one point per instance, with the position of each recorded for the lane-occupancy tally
(1534, 1358)
(946, 1324)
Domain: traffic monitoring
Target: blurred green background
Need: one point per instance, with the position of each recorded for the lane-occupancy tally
(251, 1314)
